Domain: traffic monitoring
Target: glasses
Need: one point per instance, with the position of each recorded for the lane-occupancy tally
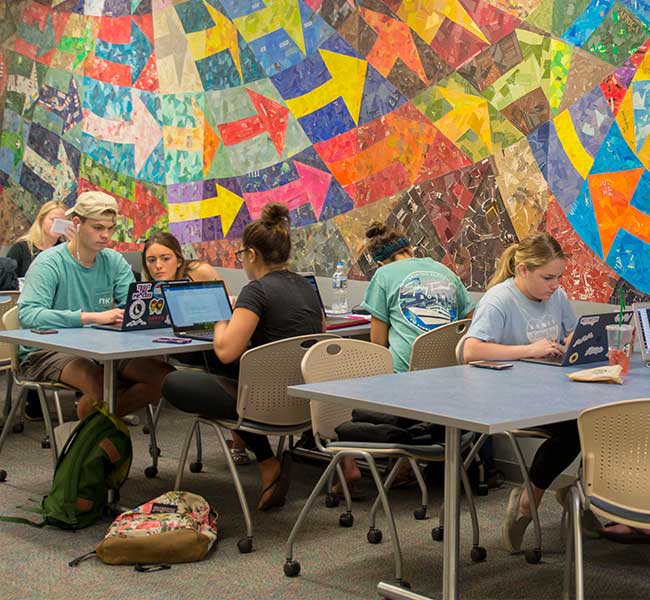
(238, 254)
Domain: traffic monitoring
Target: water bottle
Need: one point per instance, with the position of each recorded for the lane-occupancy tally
(339, 290)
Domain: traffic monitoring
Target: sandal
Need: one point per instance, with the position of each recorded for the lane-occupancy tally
(279, 485)
(239, 455)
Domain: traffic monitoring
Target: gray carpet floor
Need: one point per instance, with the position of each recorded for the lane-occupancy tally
(337, 563)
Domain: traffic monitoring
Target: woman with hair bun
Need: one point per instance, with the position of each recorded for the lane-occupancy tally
(526, 314)
(276, 304)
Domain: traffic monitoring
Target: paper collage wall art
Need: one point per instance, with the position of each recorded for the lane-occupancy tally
(469, 122)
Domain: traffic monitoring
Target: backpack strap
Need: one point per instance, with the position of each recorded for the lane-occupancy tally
(150, 568)
(80, 559)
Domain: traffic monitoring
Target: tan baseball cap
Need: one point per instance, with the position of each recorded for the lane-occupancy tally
(94, 205)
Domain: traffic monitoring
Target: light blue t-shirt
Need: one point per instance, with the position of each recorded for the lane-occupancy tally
(413, 296)
(57, 288)
(505, 316)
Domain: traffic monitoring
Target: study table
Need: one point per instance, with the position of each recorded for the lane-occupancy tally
(479, 400)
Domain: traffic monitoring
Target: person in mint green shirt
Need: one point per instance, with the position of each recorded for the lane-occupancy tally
(408, 296)
(81, 283)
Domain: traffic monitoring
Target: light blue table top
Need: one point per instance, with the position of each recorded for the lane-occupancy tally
(102, 344)
(481, 400)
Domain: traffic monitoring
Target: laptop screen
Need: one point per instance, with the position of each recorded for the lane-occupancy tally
(642, 316)
(197, 304)
(314, 284)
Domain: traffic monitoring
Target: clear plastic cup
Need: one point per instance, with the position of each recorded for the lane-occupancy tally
(619, 345)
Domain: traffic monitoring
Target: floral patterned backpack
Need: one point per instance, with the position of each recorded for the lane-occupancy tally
(173, 528)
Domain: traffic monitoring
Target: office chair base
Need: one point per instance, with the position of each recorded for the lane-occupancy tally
(292, 568)
(196, 467)
(346, 519)
(478, 554)
(245, 546)
(533, 556)
(374, 535)
(150, 472)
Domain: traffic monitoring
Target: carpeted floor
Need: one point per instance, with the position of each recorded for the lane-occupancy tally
(337, 563)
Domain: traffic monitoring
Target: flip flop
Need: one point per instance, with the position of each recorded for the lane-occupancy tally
(636, 537)
(279, 485)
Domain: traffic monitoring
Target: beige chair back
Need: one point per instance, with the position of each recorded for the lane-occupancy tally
(10, 321)
(460, 350)
(437, 348)
(264, 374)
(615, 440)
(340, 359)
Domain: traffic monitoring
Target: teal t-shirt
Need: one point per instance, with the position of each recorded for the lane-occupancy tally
(57, 288)
(414, 296)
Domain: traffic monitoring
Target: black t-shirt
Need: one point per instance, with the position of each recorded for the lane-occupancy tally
(286, 304)
(21, 254)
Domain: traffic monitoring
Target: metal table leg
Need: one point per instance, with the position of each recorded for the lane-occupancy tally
(110, 389)
(452, 514)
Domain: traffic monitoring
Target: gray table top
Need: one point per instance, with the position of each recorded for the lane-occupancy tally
(481, 400)
(102, 344)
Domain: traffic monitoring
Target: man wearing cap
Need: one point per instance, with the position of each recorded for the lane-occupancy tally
(80, 283)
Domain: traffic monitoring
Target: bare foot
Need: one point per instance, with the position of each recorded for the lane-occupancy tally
(524, 504)
(624, 529)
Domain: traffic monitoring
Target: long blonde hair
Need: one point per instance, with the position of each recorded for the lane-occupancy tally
(535, 251)
(34, 236)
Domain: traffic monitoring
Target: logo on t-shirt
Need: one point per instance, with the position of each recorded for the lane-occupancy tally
(427, 300)
(545, 327)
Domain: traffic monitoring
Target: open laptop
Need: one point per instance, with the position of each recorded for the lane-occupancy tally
(145, 308)
(641, 312)
(194, 307)
(588, 343)
(335, 322)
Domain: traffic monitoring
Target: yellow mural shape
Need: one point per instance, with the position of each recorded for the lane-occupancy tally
(566, 132)
(225, 204)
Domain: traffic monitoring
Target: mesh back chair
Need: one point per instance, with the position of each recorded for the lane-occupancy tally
(615, 442)
(263, 406)
(437, 348)
(7, 302)
(535, 555)
(345, 359)
(10, 321)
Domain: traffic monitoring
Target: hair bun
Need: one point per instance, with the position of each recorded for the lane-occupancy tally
(275, 214)
(376, 229)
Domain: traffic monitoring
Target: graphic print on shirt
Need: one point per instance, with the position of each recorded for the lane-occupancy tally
(427, 300)
(546, 327)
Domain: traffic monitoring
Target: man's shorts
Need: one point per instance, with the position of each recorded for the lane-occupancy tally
(46, 365)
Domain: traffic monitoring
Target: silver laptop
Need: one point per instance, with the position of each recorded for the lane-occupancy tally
(641, 312)
(588, 343)
(195, 307)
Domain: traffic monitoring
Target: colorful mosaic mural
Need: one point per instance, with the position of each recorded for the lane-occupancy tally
(470, 122)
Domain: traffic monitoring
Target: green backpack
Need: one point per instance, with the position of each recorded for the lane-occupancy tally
(96, 457)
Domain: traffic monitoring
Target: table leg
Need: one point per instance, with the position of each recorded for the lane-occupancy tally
(452, 514)
(110, 389)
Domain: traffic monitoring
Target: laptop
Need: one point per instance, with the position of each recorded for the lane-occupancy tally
(641, 312)
(145, 308)
(588, 343)
(335, 322)
(194, 307)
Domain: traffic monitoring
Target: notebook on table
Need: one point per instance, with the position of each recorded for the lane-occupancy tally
(641, 312)
(194, 307)
(335, 322)
(588, 343)
(145, 308)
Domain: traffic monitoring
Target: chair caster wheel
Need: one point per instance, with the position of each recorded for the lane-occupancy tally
(346, 519)
(150, 472)
(438, 534)
(403, 584)
(374, 535)
(153, 452)
(331, 501)
(196, 467)
(533, 556)
(145, 430)
(420, 513)
(245, 545)
(482, 489)
(3, 475)
(292, 568)
(45, 443)
(478, 554)
(18, 428)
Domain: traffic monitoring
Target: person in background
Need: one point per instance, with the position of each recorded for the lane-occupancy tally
(406, 297)
(276, 304)
(39, 237)
(163, 260)
(80, 283)
(526, 314)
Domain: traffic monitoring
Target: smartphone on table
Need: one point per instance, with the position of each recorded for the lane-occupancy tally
(490, 364)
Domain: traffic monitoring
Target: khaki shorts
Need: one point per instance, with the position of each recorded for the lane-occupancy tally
(46, 365)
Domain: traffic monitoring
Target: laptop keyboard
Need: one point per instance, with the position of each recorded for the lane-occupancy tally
(207, 334)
